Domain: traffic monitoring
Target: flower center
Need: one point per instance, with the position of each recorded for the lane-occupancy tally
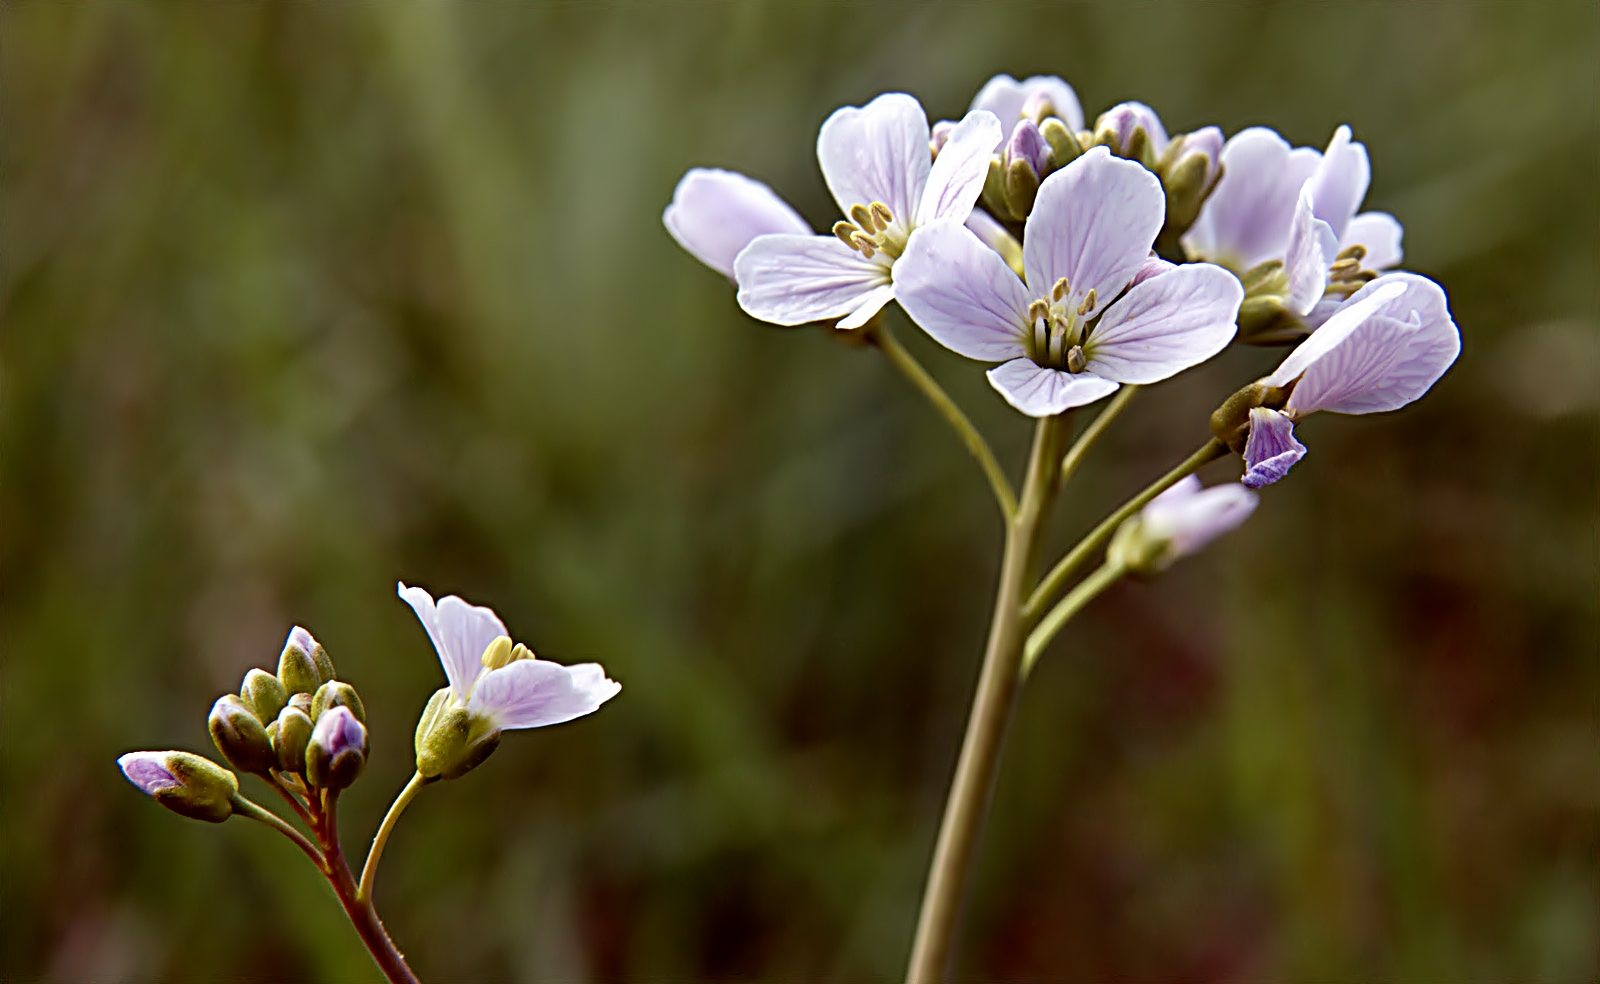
(1059, 328)
(872, 229)
(1345, 275)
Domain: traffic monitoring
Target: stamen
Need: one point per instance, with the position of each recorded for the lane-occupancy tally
(844, 230)
(864, 243)
(497, 653)
(862, 216)
(1059, 290)
(1076, 360)
(881, 213)
(1356, 252)
(1088, 304)
(1038, 310)
(1343, 268)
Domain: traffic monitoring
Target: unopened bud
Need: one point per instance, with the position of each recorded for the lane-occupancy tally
(1064, 147)
(1038, 107)
(186, 784)
(451, 741)
(1027, 144)
(302, 701)
(240, 736)
(263, 694)
(1189, 172)
(289, 741)
(1177, 523)
(1022, 187)
(1267, 320)
(337, 751)
(1132, 130)
(994, 189)
(335, 693)
(297, 666)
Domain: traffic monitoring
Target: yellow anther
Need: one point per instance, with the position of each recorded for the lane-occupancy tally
(1076, 360)
(497, 654)
(844, 230)
(1037, 310)
(881, 213)
(519, 651)
(864, 243)
(862, 216)
(1343, 268)
(1356, 252)
(1088, 302)
(1060, 289)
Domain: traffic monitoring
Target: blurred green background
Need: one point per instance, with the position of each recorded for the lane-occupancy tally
(303, 299)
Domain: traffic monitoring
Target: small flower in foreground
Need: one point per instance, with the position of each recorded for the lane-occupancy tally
(1075, 329)
(495, 685)
(184, 783)
(880, 169)
(1036, 98)
(1382, 349)
(715, 214)
(1179, 522)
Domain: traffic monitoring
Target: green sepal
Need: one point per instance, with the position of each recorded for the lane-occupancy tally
(240, 736)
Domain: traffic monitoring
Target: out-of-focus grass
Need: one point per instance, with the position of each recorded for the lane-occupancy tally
(300, 300)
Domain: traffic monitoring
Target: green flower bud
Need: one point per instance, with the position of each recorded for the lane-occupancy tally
(186, 784)
(297, 668)
(263, 694)
(303, 701)
(994, 190)
(338, 750)
(240, 736)
(337, 694)
(1022, 186)
(1265, 320)
(293, 735)
(450, 740)
(1064, 146)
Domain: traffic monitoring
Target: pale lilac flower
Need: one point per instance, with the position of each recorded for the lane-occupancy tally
(1337, 188)
(715, 214)
(1011, 101)
(1187, 516)
(1074, 329)
(1383, 348)
(878, 166)
(525, 692)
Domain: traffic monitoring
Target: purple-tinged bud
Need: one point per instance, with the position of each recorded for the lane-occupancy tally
(336, 693)
(338, 750)
(1039, 107)
(939, 135)
(1189, 169)
(1064, 145)
(186, 784)
(1132, 130)
(240, 736)
(1028, 144)
(304, 665)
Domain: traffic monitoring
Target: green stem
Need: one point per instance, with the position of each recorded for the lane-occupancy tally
(369, 871)
(1091, 434)
(1085, 548)
(904, 361)
(998, 682)
(1084, 592)
(248, 808)
(273, 780)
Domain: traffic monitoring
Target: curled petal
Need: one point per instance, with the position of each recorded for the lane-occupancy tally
(1340, 181)
(791, 280)
(1246, 219)
(1271, 449)
(532, 693)
(1380, 233)
(962, 293)
(1005, 97)
(1041, 392)
(957, 176)
(714, 214)
(1166, 324)
(1311, 249)
(877, 153)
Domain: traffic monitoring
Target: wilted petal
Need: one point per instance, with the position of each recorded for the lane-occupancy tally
(1166, 324)
(1041, 392)
(1271, 449)
(877, 153)
(962, 293)
(1380, 233)
(531, 693)
(1311, 249)
(957, 176)
(460, 633)
(714, 214)
(1340, 181)
(1246, 219)
(792, 280)
(1093, 223)
(1005, 97)
(1188, 517)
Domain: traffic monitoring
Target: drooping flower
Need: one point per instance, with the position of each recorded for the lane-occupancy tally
(1382, 349)
(494, 685)
(879, 167)
(1179, 522)
(715, 214)
(1073, 328)
(1034, 98)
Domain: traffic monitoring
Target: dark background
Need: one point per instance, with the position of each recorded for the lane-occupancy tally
(303, 299)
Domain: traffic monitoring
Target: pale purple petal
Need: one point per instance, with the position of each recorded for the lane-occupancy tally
(148, 771)
(1154, 266)
(1124, 118)
(1340, 181)
(532, 693)
(1041, 392)
(1005, 97)
(870, 305)
(1325, 339)
(1189, 517)
(877, 153)
(1246, 219)
(467, 630)
(962, 293)
(338, 731)
(939, 134)
(1093, 223)
(1207, 142)
(957, 176)
(1166, 324)
(1028, 144)
(994, 235)
(792, 280)
(1312, 246)
(1380, 233)
(1397, 351)
(714, 214)
(459, 670)
(1271, 449)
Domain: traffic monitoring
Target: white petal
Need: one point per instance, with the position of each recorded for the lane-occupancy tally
(1004, 96)
(870, 305)
(1380, 233)
(791, 280)
(996, 237)
(958, 175)
(1340, 181)
(1311, 249)
(1246, 219)
(714, 214)
(1334, 331)
(460, 633)
(1397, 351)
(1093, 222)
(1166, 324)
(962, 293)
(1041, 392)
(532, 693)
(877, 153)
